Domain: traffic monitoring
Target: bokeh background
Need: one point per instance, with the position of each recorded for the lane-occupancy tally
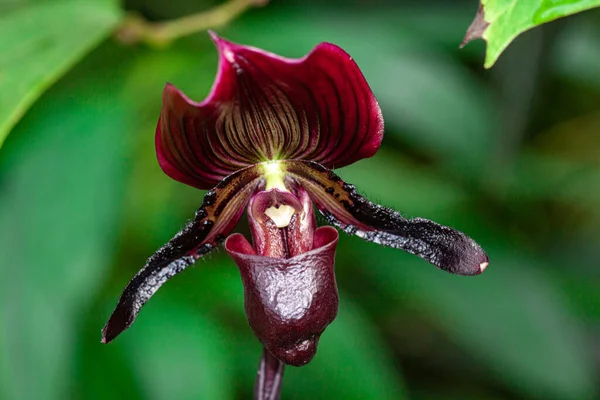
(508, 155)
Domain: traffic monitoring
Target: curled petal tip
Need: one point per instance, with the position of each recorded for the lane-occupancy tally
(116, 324)
(225, 47)
(176, 100)
(213, 35)
(172, 93)
(107, 337)
(170, 89)
(219, 41)
(483, 266)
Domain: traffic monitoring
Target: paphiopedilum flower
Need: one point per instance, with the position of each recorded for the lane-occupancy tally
(266, 140)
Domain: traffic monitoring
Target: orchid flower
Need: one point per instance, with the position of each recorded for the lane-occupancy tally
(266, 140)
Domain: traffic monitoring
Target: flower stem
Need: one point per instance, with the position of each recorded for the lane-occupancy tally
(269, 378)
(159, 34)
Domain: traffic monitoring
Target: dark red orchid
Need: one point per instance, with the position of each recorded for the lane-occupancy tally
(265, 139)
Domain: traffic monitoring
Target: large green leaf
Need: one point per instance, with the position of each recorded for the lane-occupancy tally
(40, 42)
(62, 180)
(499, 22)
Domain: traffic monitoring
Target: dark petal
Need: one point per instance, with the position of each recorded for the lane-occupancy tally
(218, 215)
(188, 147)
(289, 301)
(344, 207)
(266, 107)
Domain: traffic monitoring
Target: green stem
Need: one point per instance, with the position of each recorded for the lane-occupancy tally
(136, 29)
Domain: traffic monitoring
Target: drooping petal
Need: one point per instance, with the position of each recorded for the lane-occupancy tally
(289, 301)
(220, 211)
(344, 207)
(266, 107)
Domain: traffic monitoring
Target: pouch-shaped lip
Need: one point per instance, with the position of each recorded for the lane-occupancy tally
(289, 301)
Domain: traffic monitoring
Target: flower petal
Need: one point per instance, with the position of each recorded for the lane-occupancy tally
(344, 207)
(218, 215)
(289, 301)
(266, 107)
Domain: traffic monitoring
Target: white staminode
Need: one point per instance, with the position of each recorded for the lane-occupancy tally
(281, 215)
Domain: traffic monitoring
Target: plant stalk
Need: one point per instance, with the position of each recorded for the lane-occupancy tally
(268, 378)
(137, 29)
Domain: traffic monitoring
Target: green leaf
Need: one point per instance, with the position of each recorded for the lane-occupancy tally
(40, 42)
(62, 182)
(499, 22)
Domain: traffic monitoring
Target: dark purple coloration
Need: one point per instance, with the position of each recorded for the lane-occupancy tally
(290, 293)
(268, 378)
(265, 107)
(220, 211)
(344, 207)
(265, 139)
(289, 302)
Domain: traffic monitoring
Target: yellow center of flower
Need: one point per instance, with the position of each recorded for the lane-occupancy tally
(274, 175)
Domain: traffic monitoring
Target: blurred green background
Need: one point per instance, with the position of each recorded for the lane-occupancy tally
(510, 156)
